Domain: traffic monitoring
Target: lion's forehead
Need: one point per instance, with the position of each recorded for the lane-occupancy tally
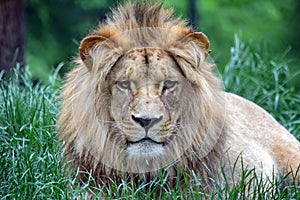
(150, 63)
(143, 54)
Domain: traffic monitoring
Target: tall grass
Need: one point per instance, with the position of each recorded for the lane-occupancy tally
(30, 157)
(264, 79)
(30, 164)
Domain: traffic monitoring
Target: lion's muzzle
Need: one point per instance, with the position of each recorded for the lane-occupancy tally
(146, 123)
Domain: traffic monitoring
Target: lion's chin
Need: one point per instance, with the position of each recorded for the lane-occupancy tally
(145, 149)
(148, 156)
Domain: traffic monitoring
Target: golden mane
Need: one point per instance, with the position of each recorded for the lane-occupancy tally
(141, 20)
(133, 25)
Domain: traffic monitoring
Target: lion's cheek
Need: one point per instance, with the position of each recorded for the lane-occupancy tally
(173, 106)
(115, 111)
(119, 106)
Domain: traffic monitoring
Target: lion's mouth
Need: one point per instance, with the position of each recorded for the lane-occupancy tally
(147, 140)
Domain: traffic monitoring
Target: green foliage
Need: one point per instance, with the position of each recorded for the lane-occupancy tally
(31, 159)
(55, 27)
(255, 20)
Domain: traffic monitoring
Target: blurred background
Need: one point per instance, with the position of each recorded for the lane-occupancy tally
(50, 31)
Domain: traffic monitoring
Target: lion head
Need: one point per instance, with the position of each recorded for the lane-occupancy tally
(142, 95)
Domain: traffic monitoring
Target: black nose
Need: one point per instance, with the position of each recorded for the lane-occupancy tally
(146, 123)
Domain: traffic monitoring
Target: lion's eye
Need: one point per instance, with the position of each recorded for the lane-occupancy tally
(169, 84)
(124, 84)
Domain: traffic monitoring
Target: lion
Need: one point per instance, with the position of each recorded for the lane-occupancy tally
(144, 96)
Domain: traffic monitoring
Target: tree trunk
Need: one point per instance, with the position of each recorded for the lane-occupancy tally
(193, 14)
(12, 33)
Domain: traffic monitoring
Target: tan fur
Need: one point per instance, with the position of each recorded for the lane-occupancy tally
(201, 127)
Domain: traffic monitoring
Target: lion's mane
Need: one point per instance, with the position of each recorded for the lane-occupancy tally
(84, 121)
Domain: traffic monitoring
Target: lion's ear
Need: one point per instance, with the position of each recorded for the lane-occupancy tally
(201, 39)
(87, 44)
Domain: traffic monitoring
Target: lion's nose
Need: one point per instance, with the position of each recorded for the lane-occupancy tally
(146, 123)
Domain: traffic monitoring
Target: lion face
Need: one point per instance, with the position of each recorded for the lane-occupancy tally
(146, 87)
(149, 99)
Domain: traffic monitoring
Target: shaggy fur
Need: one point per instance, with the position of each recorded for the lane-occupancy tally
(215, 130)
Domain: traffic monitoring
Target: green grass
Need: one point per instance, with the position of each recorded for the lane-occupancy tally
(30, 164)
(264, 79)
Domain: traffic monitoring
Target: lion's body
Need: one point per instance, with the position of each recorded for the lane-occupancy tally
(263, 141)
(144, 97)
